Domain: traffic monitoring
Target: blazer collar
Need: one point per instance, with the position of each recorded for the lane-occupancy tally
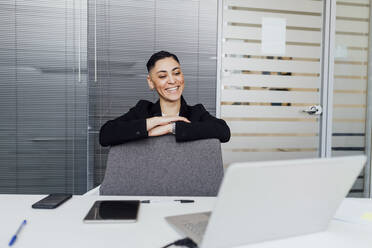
(156, 110)
(183, 108)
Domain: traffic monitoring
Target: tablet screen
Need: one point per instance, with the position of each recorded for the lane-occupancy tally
(113, 211)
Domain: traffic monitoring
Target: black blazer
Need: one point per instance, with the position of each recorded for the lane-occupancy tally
(132, 125)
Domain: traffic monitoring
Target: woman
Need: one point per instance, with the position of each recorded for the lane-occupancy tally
(169, 115)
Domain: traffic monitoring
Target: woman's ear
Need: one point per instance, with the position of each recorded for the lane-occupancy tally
(150, 83)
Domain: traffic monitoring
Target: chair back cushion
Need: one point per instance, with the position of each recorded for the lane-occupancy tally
(160, 166)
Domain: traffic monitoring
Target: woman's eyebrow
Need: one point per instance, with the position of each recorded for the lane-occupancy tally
(175, 68)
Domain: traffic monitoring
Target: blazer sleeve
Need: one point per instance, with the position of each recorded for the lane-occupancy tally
(123, 129)
(206, 127)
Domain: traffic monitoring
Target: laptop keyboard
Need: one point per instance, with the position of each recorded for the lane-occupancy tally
(197, 228)
(191, 225)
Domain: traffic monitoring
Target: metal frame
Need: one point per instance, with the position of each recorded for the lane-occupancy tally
(327, 63)
(90, 79)
(368, 136)
(219, 56)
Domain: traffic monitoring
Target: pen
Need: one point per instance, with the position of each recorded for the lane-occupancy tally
(12, 241)
(162, 201)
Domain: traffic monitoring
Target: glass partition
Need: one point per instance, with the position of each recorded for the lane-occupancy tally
(351, 57)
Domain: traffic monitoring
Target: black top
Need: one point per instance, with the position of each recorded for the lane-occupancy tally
(132, 125)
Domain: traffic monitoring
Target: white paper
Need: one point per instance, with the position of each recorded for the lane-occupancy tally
(273, 36)
(358, 211)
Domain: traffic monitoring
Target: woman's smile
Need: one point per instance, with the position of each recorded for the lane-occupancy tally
(172, 89)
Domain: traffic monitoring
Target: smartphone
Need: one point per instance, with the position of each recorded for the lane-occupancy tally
(52, 201)
(113, 211)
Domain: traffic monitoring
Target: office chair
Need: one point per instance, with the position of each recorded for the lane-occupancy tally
(160, 166)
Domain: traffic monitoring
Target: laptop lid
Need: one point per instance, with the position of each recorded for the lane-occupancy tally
(269, 200)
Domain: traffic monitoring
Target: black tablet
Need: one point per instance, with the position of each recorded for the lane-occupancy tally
(113, 211)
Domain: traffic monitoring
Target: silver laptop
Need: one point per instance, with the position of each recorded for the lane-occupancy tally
(262, 201)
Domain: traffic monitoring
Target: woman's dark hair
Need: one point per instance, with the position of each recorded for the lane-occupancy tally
(158, 56)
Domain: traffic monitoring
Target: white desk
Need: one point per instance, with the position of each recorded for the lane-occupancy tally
(63, 227)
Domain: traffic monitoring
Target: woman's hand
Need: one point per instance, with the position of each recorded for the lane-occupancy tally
(161, 130)
(154, 122)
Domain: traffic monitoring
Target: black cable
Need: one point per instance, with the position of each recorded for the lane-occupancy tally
(168, 245)
(183, 242)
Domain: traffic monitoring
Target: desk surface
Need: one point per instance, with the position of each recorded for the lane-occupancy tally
(63, 227)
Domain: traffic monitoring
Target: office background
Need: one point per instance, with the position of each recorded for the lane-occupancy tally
(68, 66)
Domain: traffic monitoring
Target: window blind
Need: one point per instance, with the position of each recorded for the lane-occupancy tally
(42, 96)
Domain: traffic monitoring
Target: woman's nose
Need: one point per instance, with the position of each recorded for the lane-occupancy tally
(171, 80)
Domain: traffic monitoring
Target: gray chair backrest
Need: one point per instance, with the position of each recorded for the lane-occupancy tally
(161, 166)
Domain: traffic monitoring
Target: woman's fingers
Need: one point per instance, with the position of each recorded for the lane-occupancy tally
(180, 118)
(160, 130)
(185, 119)
(169, 119)
(163, 120)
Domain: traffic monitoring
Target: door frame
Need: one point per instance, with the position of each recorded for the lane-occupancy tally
(327, 69)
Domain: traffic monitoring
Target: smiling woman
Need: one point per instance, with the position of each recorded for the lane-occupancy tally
(169, 115)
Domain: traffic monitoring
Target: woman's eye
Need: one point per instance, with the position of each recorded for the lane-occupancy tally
(177, 73)
(161, 76)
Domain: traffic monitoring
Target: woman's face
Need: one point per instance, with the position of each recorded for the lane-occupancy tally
(167, 78)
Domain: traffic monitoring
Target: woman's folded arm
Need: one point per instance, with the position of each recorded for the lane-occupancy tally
(116, 132)
(207, 127)
(122, 129)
